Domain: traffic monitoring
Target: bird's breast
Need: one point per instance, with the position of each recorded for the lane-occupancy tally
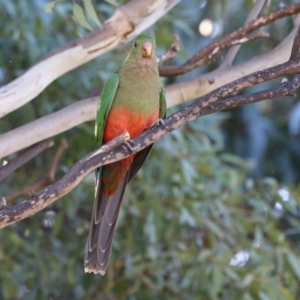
(121, 119)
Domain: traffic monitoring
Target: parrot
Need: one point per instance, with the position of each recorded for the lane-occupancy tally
(132, 100)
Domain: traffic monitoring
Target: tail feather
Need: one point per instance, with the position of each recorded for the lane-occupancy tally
(103, 226)
(106, 209)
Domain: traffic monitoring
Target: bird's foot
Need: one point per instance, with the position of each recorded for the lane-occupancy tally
(31, 194)
(159, 123)
(129, 145)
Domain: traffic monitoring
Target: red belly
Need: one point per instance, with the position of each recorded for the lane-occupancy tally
(122, 120)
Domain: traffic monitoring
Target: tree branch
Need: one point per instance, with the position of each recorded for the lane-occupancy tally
(45, 127)
(53, 165)
(205, 105)
(24, 157)
(46, 181)
(72, 178)
(184, 91)
(128, 21)
(259, 5)
(208, 53)
(172, 51)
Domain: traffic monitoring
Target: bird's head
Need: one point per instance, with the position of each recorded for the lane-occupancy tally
(143, 47)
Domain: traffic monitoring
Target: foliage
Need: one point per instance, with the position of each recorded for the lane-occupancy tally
(194, 222)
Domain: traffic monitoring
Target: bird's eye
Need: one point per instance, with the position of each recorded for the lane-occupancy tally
(135, 44)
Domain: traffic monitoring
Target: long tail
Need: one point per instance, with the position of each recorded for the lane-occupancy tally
(103, 225)
(106, 209)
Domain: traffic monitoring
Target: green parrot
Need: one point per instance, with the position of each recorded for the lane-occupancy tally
(131, 101)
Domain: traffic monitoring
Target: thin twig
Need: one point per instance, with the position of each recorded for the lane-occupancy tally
(30, 190)
(257, 35)
(46, 181)
(54, 162)
(232, 52)
(172, 51)
(24, 157)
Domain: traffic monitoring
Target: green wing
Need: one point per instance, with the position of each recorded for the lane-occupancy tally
(106, 99)
(162, 103)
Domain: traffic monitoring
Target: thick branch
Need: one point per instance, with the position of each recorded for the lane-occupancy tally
(205, 105)
(208, 53)
(36, 202)
(43, 128)
(127, 21)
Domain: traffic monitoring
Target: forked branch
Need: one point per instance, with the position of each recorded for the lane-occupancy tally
(238, 37)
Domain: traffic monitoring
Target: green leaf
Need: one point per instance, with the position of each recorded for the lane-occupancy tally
(91, 12)
(80, 17)
(232, 274)
(287, 294)
(204, 255)
(112, 2)
(247, 296)
(294, 263)
(232, 159)
(214, 228)
(247, 280)
(187, 218)
(49, 6)
(263, 296)
(217, 279)
(9, 290)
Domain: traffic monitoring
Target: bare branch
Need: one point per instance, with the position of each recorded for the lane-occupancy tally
(46, 181)
(208, 104)
(172, 51)
(295, 54)
(208, 53)
(73, 177)
(184, 91)
(37, 130)
(256, 35)
(24, 157)
(232, 52)
(59, 151)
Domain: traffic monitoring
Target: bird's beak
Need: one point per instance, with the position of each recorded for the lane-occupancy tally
(147, 49)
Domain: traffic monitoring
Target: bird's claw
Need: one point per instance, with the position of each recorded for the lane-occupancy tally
(129, 145)
(159, 123)
(31, 194)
